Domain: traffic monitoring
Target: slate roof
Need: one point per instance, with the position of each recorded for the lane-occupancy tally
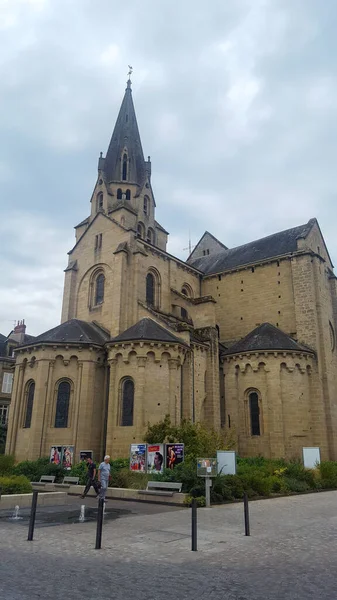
(266, 337)
(125, 135)
(2, 337)
(149, 330)
(73, 331)
(277, 244)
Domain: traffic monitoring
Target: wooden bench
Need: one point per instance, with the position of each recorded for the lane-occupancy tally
(161, 488)
(71, 480)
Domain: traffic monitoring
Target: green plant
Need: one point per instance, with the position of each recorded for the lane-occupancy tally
(201, 501)
(6, 463)
(296, 485)
(34, 469)
(15, 485)
(124, 478)
(80, 470)
(328, 471)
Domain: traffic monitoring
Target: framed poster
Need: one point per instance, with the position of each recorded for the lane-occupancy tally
(138, 458)
(67, 457)
(207, 467)
(226, 462)
(155, 458)
(174, 455)
(86, 454)
(311, 457)
(56, 455)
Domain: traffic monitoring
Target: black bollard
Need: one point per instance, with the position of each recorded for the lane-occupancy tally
(246, 509)
(32, 517)
(99, 524)
(194, 525)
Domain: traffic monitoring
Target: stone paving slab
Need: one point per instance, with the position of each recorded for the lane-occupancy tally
(291, 554)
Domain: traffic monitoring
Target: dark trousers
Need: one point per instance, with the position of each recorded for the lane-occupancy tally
(93, 483)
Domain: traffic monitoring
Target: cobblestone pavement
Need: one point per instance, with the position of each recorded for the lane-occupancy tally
(291, 554)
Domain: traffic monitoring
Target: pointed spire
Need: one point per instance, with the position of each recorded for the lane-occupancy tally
(124, 160)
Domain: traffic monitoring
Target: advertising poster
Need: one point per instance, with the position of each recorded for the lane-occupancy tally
(138, 457)
(68, 457)
(84, 454)
(155, 458)
(174, 455)
(56, 455)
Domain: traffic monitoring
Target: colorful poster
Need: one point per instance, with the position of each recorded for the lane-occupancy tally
(68, 457)
(174, 455)
(155, 458)
(138, 457)
(56, 455)
(84, 454)
(207, 467)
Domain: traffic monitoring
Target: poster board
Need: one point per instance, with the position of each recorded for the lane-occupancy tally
(86, 454)
(226, 462)
(155, 458)
(207, 467)
(311, 457)
(68, 457)
(174, 454)
(138, 458)
(55, 456)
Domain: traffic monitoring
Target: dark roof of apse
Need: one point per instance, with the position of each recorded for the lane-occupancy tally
(277, 244)
(125, 135)
(149, 330)
(73, 331)
(266, 337)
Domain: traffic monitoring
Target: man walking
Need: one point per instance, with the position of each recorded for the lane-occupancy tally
(91, 474)
(104, 476)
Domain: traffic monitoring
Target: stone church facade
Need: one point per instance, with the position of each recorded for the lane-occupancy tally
(242, 339)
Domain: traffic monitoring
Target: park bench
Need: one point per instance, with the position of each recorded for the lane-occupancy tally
(46, 481)
(71, 480)
(161, 488)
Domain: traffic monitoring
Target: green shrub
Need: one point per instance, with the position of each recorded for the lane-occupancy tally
(34, 469)
(79, 470)
(296, 485)
(6, 464)
(201, 501)
(328, 471)
(124, 478)
(15, 485)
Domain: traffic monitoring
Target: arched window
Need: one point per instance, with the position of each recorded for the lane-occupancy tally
(140, 230)
(146, 206)
(99, 201)
(150, 289)
(128, 195)
(254, 411)
(125, 167)
(30, 390)
(119, 194)
(184, 313)
(99, 289)
(187, 290)
(123, 221)
(150, 236)
(62, 404)
(127, 397)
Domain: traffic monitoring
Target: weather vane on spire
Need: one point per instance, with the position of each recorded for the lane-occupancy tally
(130, 71)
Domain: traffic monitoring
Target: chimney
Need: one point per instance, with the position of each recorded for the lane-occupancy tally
(18, 334)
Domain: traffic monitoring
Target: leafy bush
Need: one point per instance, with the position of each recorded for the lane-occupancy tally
(201, 501)
(123, 478)
(328, 471)
(199, 439)
(296, 485)
(80, 470)
(6, 463)
(3, 437)
(15, 485)
(34, 469)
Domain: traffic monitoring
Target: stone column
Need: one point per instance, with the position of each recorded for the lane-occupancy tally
(140, 412)
(41, 387)
(48, 400)
(113, 416)
(15, 410)
(174, 388)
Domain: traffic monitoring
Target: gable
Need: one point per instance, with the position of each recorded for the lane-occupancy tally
(207, 245)
(314, 241)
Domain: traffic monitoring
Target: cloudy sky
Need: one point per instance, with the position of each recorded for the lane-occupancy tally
(236, 104)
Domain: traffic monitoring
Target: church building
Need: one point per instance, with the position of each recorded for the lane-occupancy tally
(239, 338)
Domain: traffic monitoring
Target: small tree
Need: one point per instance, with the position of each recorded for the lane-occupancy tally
(199, 438)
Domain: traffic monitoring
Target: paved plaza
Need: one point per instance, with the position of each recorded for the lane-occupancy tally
(146, 555)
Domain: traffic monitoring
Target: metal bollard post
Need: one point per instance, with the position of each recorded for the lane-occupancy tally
(246, 510)
(99, 524)
(194, 525)
(32, 517)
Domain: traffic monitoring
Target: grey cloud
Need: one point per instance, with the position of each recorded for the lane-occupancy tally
(235, 104)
